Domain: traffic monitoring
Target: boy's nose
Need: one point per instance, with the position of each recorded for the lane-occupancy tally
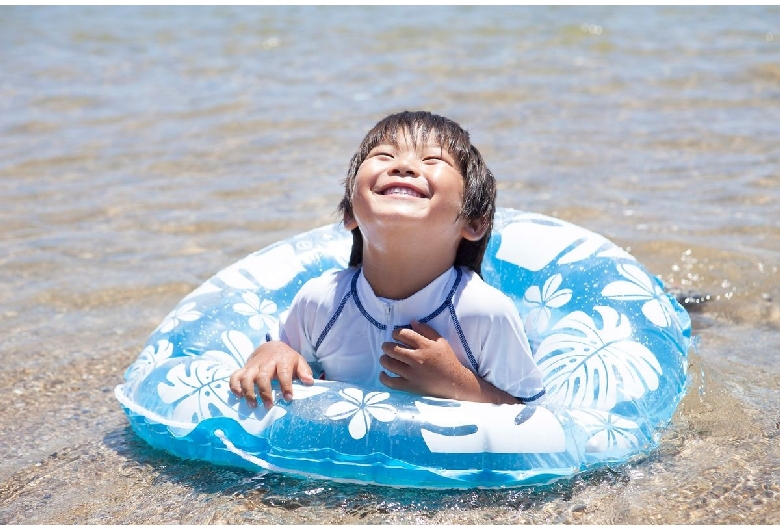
(405, 168)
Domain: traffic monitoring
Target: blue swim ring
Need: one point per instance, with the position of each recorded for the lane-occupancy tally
(612, 346)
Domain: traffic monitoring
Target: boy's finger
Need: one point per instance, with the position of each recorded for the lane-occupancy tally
(393, 365)
(425, 330)
(235, 384)
(394, 383)
(408, 337)
(398, 352)
(248, 390)
(265, 391)
(284, 377)
(304, 372)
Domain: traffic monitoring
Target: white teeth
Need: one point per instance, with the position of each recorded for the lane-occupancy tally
(399, 190)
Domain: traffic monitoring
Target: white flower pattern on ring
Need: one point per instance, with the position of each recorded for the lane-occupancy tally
(542, 300)
(607, 432)
(361, 409)
(150, 357)
(641, 286)
(260, 313)
(183, 313)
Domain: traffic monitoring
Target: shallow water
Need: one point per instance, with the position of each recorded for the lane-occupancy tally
(143, 149)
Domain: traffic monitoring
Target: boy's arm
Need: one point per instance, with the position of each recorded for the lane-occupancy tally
(279, 359)
(271, 360)
(425, 364)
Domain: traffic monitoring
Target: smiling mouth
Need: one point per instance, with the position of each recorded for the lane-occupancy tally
(402, 190)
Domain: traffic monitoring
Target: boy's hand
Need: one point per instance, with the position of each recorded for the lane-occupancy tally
(424, 363)
(271, 360)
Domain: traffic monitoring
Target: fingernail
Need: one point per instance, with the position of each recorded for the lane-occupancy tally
(288, 396)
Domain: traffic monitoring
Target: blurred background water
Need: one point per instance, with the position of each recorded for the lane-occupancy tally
(142, 149)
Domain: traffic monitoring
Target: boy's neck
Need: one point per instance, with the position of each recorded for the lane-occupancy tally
(397, 275)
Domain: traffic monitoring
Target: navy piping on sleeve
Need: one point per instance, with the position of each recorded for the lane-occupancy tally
(532, 398)
(336, 314)
(462, 338)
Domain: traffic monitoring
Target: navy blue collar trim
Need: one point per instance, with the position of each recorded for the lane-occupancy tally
(354, 293)
(447, 302)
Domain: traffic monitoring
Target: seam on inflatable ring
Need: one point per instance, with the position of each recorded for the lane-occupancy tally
(148, 414)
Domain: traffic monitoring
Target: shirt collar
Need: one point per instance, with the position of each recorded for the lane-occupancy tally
(420, 305)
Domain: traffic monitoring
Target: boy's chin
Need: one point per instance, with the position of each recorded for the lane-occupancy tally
(408, 219)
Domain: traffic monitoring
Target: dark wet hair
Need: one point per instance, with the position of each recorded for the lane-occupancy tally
(479, 189)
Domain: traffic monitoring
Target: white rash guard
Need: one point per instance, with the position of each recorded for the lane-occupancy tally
(338, 325)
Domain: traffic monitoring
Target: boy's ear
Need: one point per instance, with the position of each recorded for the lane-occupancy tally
(474, 229)
(350, 223)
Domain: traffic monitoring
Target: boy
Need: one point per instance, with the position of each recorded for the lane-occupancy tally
(411, 312)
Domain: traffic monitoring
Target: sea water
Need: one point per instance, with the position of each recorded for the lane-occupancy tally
(142, 149)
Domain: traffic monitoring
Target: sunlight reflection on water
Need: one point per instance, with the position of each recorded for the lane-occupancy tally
(145, 148)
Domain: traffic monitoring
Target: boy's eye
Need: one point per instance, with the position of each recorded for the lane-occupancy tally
(438, 159)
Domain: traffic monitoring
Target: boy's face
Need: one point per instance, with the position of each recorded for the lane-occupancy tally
(410, 187)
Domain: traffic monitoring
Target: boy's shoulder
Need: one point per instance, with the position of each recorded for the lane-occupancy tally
(479, 298)
(324, 287)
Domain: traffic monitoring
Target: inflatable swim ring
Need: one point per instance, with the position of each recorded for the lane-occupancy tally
(611, 344)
